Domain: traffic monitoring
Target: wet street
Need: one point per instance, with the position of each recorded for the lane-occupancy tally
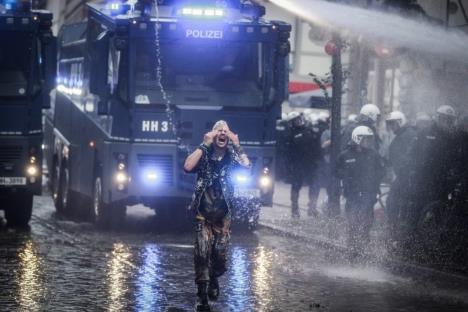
(63, 265)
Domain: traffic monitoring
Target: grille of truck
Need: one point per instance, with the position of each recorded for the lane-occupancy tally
(9, 153)
(163, 164)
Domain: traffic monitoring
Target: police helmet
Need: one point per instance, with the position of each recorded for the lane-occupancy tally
(447, 110)
(359, 133)
(324, 116)
(293, 115)
(352, 118)
(371, 111)
(398, 117)
(307, 111)
(313, 119)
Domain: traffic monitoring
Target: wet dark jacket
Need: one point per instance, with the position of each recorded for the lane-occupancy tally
(399, 150)
(205, 170)
(348, 131)
(360, 170)
(433, 163)
(461, 167)
(303, 153)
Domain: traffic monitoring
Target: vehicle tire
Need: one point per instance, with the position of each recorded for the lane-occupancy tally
(20, 209)
(56, 187)
(100, 210)
(65, 190)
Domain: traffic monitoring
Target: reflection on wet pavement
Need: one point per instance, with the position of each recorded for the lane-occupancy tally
(261, 276)
(30, 288)
(239, 280)
(69, 266)
(150, 294)
(119, 266)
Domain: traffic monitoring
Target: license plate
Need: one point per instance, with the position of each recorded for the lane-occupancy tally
(12, 181)
(246, 192)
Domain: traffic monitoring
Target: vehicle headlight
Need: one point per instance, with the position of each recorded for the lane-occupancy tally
(152, 176)
(242, 178)
(32, 170)
(121, 177)
(265, 181)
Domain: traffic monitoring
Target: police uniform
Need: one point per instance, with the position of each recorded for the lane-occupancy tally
(399, 159)
(432, 166)
(302, 156)
(361, 171)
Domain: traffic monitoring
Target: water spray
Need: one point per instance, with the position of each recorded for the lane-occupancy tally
(394, 29)
(167, 101)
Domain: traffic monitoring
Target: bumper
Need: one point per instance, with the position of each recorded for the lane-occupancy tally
(15, 152)
(155, 172)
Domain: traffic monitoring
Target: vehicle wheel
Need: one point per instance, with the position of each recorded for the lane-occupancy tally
(56, 187)
(65, 190)
(20, 209)
(100, 211)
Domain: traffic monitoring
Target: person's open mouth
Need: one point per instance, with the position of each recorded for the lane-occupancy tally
(222, 140)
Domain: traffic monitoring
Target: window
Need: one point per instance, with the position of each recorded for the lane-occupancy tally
(15, 64)
(204, 73)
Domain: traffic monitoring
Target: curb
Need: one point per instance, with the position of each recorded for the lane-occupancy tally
(393, 264)
(319, 241)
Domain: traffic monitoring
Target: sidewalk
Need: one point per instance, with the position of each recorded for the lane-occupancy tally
(332, 235)
(317, 229)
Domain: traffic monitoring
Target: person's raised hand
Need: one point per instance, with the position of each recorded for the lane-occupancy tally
(233, 137)
(209, 138)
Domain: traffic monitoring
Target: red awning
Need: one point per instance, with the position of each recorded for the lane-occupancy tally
(297, 87)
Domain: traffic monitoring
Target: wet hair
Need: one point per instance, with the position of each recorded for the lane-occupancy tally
(219, 124)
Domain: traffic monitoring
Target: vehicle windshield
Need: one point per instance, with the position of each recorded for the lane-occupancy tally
(200, 73)
(15, 64)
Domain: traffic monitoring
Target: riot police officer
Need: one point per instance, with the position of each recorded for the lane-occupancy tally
(432, 165)
(361, 170)
(398, 155)
(369, 116)
(302, 155)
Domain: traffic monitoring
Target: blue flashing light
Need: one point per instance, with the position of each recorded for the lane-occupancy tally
(151, 176)
(17, 5)
(9, 5)
(114, 6)
(202, 12)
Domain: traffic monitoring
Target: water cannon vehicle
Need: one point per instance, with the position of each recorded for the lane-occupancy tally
(27, 75)
(139, 84)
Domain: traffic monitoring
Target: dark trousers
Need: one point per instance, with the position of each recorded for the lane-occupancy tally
(211, 247)
(360, 217)
(397, 204)
(314, 190)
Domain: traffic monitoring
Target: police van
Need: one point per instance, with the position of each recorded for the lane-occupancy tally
(138, 84)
